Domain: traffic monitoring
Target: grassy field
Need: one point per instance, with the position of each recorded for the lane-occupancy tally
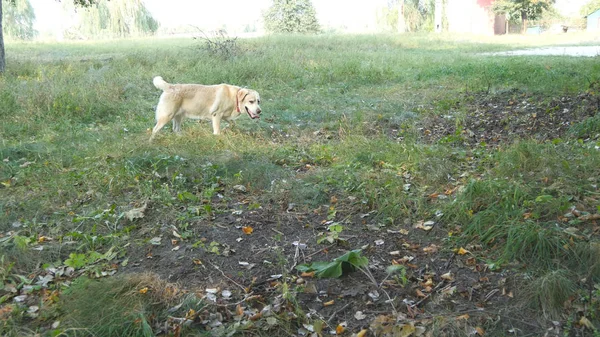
(475, 177)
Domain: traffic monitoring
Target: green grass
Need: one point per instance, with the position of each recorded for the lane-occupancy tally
(75, 153)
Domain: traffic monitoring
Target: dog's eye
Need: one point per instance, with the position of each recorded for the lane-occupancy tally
(251, 102)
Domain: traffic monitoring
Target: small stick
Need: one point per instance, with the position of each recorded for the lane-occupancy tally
(320, 250)
(229, 278)
(337, 312)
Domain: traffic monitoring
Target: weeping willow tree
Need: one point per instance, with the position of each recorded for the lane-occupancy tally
(116, 18)
(419, 15)
(18, 18)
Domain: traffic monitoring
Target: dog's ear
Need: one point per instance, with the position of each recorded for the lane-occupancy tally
(242, 93)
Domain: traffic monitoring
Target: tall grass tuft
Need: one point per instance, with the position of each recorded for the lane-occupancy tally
(549, 292)
(122, 306)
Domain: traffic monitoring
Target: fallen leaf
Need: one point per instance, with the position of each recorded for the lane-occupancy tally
(247, 230)
(143, 290)
(420, 293)
(462, 251)
(360, 316)
(480, 331)
(197, 261)
(463, 317)
(43, 239)
(586, 322)
(190, 314)
(407, 330)
(136, 213)
(239, 311)
(362, 333)
(326, 304)
(431, 249)
(448, 276)
(426, 226)
(588, 217)
(339, 329)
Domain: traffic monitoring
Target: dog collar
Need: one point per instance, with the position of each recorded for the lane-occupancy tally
(237, 104)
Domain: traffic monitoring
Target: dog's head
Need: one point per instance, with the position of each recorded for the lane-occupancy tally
(249, 100)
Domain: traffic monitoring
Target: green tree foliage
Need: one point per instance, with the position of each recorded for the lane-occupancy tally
(418, 15)
(115, 18)
(590, 7)
(18, 19)
(291, 16)
(522, 10)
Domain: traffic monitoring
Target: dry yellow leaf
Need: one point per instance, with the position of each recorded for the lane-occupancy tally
(448, 277)
(407, 330)
(362, 333)
(420, 293)
(586, 322)
(480, 331)
(462, 251)
(144, 290)
(431, 249)
(339, 329)
(247, 230)
(308, 274)
(42, 239)
(463, 317)
(239, 311)
(326, 304)
(190, 314)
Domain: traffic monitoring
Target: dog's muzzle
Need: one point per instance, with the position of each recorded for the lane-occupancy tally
(253, 116)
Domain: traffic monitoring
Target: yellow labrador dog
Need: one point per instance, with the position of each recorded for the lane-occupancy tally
(207, 102)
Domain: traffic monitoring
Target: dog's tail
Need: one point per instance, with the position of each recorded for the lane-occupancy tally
(161, 84)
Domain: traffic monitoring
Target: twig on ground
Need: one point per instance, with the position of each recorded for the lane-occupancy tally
(246, 297)
(320, 250)
(337, 312)
(276, 231)
(227, 277)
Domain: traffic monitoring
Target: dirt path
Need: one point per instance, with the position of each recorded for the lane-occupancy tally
(577, 51)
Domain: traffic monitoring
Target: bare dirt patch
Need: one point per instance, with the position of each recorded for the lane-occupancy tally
(255, 266)
(504, 118)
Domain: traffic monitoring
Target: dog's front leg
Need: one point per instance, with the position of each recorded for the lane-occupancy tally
(216, 124)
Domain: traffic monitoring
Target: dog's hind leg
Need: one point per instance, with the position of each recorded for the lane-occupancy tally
(162, 121)
(177, 123)
(164, 114)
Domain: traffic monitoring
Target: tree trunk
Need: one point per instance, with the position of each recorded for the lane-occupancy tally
(2, 61)
(523, 22)
(401, 22)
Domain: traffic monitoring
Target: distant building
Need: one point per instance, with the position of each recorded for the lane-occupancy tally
(475, 17)
(593, 21)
